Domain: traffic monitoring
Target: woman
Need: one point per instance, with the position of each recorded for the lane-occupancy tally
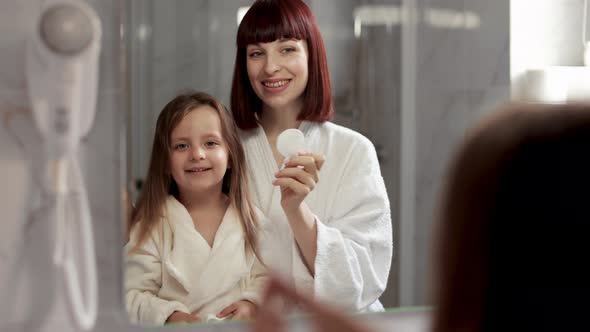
(332, 237)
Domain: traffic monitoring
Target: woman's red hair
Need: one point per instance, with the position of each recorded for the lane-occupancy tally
(267, 21)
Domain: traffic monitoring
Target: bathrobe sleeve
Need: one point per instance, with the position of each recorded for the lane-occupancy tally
(254, 284)
(354, 243)
(256, 281)
(143, 274)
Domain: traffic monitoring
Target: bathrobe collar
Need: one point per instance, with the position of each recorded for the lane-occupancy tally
(201, 269)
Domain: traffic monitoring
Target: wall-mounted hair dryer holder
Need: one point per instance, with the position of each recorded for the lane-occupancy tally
(62, 63)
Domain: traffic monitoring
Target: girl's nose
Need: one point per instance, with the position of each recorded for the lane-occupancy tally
(198, 153)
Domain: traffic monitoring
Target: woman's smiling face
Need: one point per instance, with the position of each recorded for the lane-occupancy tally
(278, 72)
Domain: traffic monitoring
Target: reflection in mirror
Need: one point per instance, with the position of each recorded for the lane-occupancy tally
(202, 239)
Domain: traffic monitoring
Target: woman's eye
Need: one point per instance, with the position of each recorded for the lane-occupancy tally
(255, 54)
(181, 146)
(289, 49)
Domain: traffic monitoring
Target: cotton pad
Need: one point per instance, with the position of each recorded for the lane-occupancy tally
(290, 142)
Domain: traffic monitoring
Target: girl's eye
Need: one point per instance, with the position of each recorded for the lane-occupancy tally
(181, 146)
(211, 144)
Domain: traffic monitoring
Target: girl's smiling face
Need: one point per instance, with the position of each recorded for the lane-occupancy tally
(198, 153)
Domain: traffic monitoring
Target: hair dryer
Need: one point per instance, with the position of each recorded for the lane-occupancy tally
(62, 77)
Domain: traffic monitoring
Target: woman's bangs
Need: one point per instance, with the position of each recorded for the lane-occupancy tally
(263, 25)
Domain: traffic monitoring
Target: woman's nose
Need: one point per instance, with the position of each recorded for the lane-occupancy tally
(272, 65)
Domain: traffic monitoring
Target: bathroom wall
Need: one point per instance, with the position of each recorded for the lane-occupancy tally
(100, 152)
(461, 72)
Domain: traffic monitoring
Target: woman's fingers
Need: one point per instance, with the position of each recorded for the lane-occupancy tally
(307, 163)
(324, 317)
(298, 178)
(271, 315)
(298, 174)
(290, 183)
(269, 319)
(304, 168)
(319, 159)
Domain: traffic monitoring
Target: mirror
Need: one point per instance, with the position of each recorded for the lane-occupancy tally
(190, 44)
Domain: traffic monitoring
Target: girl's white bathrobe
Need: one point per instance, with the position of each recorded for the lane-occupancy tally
(176, 269)
(354, 233)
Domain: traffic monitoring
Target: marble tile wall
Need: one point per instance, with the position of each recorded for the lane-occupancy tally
(461, 74)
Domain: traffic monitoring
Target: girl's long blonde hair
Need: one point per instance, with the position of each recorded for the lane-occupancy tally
(160, 183)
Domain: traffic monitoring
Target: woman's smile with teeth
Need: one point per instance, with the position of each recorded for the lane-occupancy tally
(275, 84)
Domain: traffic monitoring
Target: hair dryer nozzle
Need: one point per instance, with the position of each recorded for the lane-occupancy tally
(66, 29)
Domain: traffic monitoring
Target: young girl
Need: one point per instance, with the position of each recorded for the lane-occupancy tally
(192, 249)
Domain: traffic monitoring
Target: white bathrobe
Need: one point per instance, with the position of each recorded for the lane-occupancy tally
(354, 234)
(176, 269)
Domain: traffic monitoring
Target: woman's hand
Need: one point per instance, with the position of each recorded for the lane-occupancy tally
(182, 317)
(324, 318)
(298, 179)
(239, 310)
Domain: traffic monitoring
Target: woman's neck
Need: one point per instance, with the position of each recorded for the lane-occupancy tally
(193, 201)
(275, 121)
